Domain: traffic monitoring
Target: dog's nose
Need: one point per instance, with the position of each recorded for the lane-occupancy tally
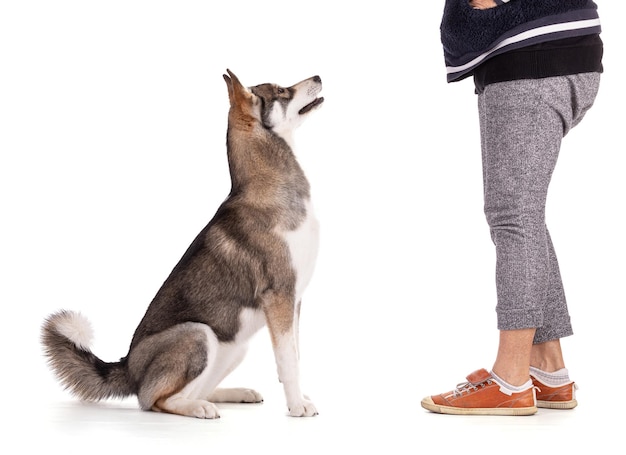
(317, 79)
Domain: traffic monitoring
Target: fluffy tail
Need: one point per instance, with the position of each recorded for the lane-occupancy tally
(66, 336)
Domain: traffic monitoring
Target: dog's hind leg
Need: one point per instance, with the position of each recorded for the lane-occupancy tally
(280, 312)
(173, 370)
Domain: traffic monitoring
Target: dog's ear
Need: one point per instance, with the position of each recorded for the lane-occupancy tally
(237, 93)
(229, 85)
(244, 105)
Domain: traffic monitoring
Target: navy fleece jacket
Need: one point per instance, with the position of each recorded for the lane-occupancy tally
(471, 36)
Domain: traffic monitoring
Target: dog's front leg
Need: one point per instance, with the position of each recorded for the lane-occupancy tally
(280, 313)
(296, 327)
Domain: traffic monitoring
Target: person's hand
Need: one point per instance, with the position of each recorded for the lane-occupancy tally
(482, 4)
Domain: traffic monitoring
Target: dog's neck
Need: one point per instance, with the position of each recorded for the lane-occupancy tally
(262, 162)
(287, 136)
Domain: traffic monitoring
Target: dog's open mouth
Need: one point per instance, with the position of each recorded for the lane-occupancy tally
(316, 102)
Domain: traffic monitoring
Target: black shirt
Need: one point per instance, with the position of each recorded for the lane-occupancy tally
(582, 54)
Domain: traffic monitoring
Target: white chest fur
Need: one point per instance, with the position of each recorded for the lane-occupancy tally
(303, 245)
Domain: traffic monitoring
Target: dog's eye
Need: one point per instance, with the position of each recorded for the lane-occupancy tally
(281, 90)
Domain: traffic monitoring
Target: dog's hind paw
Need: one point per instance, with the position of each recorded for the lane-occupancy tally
(304, 408)
(187, 407)
(236, 395)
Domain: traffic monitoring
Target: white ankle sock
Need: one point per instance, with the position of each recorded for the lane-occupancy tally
(559, 377)
(507, 388)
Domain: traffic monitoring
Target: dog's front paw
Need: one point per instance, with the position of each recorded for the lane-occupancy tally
(236, 395)
(250, 396)
(206, 410)
(303, 408)
(243, 395)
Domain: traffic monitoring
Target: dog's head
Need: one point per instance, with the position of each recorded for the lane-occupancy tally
(280, 109)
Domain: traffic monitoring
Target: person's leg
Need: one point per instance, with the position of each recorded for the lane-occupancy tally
(546, 353)
(563, 103)
(520, 145)
(520, 139)
(559, 104)
(547, 356)
(556, 321)
(572, 97)
(514, 356)
(518, 349)
(522, 124)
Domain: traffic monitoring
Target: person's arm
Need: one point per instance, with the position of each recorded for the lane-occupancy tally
(486, 4)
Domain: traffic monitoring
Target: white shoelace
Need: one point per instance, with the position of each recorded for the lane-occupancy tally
(469, 386)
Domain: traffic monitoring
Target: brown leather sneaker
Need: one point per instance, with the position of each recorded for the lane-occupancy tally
(559, 397)
(481, 395)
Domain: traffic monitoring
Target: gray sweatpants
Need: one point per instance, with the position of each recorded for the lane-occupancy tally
(522, 124)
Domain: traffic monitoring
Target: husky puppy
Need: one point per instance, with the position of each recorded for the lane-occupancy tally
(246, 269)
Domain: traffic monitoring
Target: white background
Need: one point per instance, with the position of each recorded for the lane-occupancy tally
(112, 142)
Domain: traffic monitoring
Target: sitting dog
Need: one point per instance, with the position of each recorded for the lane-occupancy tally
(247, 268)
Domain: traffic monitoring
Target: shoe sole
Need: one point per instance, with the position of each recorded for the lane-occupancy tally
(557, 404)
(427, 403)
